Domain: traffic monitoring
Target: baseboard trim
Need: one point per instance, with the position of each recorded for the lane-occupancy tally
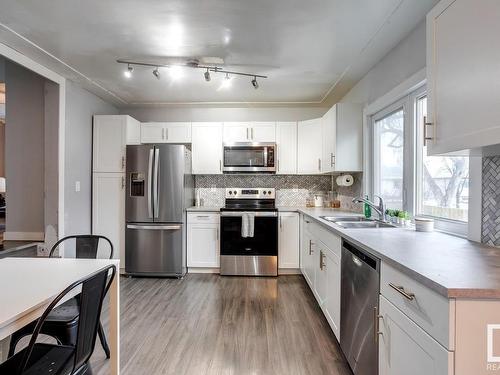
(289, 271)
(24, 236)
(203, 270)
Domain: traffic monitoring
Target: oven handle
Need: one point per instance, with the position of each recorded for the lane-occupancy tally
(256, 214)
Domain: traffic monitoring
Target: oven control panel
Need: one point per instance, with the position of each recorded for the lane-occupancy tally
(251, 193)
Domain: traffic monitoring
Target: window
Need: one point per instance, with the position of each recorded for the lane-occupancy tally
(444, 189)
(389, 158)
(406, 178)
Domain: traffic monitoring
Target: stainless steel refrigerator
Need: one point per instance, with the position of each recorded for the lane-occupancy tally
(159, 189)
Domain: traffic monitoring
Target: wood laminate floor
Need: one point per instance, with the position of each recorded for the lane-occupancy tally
(208, 324)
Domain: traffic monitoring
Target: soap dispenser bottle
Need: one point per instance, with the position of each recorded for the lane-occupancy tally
(367, 209)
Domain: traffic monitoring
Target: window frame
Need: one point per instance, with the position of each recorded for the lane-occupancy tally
(412, 159)
(456, 227)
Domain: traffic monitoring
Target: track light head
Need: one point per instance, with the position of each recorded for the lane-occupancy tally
(128, 72)
(255, 84)
(207, 76)
(156, 73)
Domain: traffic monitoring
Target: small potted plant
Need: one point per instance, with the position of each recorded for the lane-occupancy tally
(403, 218)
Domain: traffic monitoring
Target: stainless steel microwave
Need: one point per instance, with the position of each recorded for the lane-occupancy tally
(249, 157)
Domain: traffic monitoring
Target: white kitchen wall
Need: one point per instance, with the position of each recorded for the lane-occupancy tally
(404, 60)
(81, 105)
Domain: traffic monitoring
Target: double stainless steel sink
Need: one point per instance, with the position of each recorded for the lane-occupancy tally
(350, 222)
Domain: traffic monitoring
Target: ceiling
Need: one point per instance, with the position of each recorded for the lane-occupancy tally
(313, 51)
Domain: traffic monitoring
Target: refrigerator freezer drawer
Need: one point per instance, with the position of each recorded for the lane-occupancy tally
(154, 250)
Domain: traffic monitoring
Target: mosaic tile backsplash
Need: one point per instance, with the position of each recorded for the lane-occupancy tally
(292, 190)
(490, 229)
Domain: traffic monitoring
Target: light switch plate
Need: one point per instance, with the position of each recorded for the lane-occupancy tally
(77, 186)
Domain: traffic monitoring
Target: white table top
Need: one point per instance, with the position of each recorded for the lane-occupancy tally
(28, 285)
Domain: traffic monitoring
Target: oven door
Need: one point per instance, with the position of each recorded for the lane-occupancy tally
(255, 256)
(249, 157)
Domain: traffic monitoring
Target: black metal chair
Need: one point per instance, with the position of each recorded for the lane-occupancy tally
(62, 322)
(38, 358)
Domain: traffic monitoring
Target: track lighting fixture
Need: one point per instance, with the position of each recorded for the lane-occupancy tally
(175, 71)
(207, 75)
(156, 73)
(255, 84)
(128, 72)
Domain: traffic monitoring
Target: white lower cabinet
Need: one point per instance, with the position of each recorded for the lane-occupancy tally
(320, 265)
(331, 308)
(404, 348)
(288, 240)
(203, 240)
(108, 210)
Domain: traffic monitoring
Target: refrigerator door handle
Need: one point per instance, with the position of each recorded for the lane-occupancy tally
(150, 177)
(154, 227)
(156, 191)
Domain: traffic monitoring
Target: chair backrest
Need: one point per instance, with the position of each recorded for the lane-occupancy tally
(86, 245)
(91, 299)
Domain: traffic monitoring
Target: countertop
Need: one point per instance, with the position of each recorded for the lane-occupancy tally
(11, 247)
(452, 266)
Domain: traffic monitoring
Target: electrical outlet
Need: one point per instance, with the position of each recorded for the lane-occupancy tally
(295, 188)
(213, 188)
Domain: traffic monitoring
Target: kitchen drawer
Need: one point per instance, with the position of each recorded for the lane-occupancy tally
(203, 217)
(332, 241)
(429, 310)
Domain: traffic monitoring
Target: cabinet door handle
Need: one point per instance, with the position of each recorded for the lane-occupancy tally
(281, 225)
(321, 263)
(251, 132)
(248, 138)
(310, 247)
(319, 164)
(162, 134)
(202, 216)
(220, 165)
(166, 134)
(123, 183)
(278, 165)
(376, 322)
(123, 162)
(426, 138)
(401, 290)
(332, 159)
(217, 234)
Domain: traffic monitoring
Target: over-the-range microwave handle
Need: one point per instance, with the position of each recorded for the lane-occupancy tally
(154, 227)
(150, 184)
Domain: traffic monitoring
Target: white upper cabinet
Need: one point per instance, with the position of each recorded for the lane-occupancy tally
(286, 141)
(249, 132)
(236, 132)
(463, 70)
(343, 138)
(263, 132)
(309, 147)
(110, 136)
(166, 132)
(207, 147)
(288, 240)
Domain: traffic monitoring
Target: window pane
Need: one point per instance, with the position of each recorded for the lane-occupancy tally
(389, 147)
(445, 188)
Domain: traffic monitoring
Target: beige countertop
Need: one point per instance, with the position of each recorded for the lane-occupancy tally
(450, 265)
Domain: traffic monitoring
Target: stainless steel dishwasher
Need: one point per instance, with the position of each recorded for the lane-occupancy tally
(360, 283)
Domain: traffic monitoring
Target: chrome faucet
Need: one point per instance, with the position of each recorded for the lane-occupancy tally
(380, 209)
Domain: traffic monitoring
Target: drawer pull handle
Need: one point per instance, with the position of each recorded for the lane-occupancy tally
(408, 295)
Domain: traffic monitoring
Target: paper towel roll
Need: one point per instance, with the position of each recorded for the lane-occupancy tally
(345, 180)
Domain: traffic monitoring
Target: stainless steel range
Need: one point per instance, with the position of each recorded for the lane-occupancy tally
(249, 233)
